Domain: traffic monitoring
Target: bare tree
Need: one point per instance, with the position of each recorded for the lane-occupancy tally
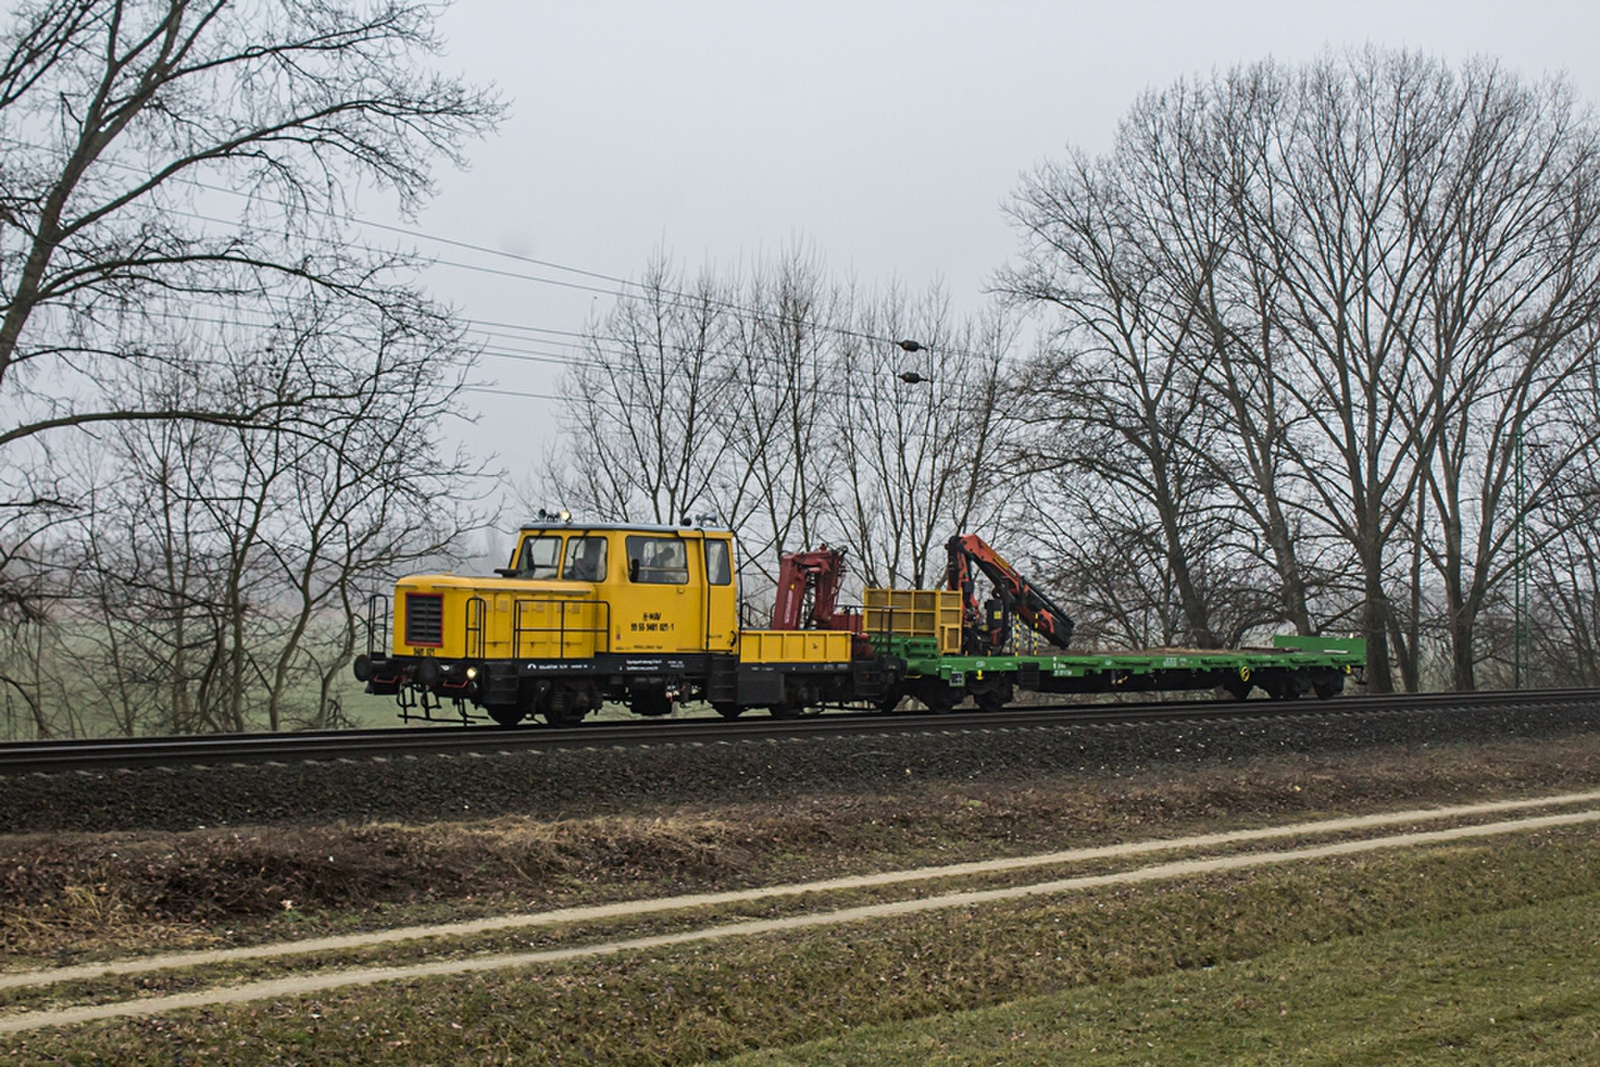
(920, 458)
(35, 507)
(367, 489)
(128, 125)
(778, 402)
(166, 163)
(214, 579)
(1565, 569)
(1112, 399)
(641, 425)
(1514, 309)
(1192, 236)
(1374, 270)
(778, 483)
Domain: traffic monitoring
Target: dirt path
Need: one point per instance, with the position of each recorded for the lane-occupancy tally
(316, 983)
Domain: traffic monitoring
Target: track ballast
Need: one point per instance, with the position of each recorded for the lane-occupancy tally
(45, 757)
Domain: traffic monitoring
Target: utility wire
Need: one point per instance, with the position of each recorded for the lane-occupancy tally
(620, 287)
(619, 294)
(568, 359)
(591, 354)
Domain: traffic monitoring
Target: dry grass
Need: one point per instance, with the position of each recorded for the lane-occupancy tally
(708, 1001)
(69, 896)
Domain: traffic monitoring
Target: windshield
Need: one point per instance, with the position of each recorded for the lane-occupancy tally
(539, 557)
(586, 559)
(718, 572)
(658, 561)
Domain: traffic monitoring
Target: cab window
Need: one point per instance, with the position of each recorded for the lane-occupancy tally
(540, 555)
(658, 560)
(718, 572)
(586, 559)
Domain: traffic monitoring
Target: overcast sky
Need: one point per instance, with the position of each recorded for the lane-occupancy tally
(884, 135)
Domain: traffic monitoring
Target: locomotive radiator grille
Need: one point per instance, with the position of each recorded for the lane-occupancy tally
(425, 620)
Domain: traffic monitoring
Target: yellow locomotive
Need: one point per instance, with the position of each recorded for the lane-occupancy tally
(642, 615)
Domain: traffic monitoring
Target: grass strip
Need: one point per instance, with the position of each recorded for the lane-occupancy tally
(76, 897)
(687, 1003)
(1521, 986)
(309, 984)
(627, 909)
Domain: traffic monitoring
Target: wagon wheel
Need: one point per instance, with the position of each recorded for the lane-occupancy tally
(939, 698)
(1282, 687)
(993, 699)
(1236, 688)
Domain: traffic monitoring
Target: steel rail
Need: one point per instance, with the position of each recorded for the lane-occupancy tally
(54, 756)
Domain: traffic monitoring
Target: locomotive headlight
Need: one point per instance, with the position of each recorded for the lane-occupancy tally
(472, 672)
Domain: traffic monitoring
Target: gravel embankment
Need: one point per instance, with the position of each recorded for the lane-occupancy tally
(568, 782)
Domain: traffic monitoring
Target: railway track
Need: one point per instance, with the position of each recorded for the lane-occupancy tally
(34, 757)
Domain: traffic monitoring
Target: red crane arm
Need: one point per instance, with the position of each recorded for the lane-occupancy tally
(821, 571)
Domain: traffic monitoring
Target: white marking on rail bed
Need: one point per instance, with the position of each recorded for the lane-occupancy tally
(316, 983)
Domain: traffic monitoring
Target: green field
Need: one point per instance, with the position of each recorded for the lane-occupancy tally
(1521, 986)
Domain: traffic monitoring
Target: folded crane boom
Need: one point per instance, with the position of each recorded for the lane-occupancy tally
(988, 628)
(813, 576)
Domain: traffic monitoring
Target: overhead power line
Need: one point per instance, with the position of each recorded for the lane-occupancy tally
(617, 287)
(592, 354)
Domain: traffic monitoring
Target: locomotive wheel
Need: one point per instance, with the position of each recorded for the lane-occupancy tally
(890, 700)
(798, 700)
(652, 706)
(505, 714)
(1328, 690)
(562, 707)
(728, 711)
(651, 698)
(940, 699)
